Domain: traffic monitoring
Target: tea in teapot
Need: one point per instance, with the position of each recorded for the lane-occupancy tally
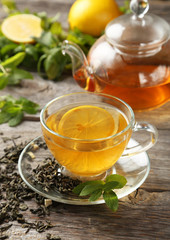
(130, 61)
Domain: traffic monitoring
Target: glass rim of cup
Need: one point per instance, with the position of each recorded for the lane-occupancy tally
(131, 123)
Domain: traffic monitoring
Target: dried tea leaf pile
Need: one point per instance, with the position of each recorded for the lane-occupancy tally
(15, 194)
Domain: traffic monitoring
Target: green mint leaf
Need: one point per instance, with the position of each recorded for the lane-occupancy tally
(7, 98)
(77, 190)
(54, 63)
(14, 61)
(98, 188)
(95, 195)
(17, 119)
(47, 22)
(8, 48)
(85, 41)
(46, 39)
(16, 75)
(40, 64)
(56, 28)
(12, 110)
(52, 68)
(32, 51)
(3, 80)
(9, 5)
(4, 117)
(111, 200)
(2, 103)
(88, 189)
(28, 106)
(125, 8)
(111, 185)
(117, 178)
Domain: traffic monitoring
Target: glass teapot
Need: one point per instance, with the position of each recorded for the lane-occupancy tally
(130, 61)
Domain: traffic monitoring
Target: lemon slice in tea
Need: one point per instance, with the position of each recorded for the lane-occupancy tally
(88, 122)
(22, 28)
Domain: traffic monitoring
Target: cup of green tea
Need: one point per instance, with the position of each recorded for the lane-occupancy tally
(88, 132)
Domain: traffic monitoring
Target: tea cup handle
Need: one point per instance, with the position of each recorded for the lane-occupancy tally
(145, 145)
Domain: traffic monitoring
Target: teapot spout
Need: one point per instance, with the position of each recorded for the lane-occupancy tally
(81, 70)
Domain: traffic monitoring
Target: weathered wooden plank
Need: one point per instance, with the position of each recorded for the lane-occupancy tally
(98, 222)
(144, 214)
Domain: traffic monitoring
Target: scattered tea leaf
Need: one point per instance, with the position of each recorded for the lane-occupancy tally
(14, 194)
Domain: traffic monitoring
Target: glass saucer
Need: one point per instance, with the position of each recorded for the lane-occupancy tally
(135, 169)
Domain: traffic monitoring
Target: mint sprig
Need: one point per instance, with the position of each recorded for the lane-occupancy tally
(12, 110)
(10, 74)
(96, 189)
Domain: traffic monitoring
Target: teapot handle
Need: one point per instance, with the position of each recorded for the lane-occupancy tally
(76, 54)
(142, 146)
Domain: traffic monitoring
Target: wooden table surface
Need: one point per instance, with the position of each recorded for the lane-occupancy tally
(144, 214)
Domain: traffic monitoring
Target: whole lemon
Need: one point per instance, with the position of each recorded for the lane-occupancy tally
(92, 16)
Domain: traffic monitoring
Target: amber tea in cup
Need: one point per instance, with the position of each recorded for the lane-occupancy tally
(88, 132)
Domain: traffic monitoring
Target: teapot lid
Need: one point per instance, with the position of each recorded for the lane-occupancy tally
(138, 33)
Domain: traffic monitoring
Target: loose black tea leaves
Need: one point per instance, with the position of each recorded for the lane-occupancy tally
(15, 194)
(51, 237)
(49, 176)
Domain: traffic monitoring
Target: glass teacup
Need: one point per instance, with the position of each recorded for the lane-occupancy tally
(88, 132)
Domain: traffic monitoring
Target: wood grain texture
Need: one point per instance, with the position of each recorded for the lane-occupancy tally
(144, 214)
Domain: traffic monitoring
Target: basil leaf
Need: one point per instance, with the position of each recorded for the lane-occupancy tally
(111, 200)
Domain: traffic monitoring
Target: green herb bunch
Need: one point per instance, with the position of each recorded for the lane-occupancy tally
(17, 60)
(12, 110)
(100, 188)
